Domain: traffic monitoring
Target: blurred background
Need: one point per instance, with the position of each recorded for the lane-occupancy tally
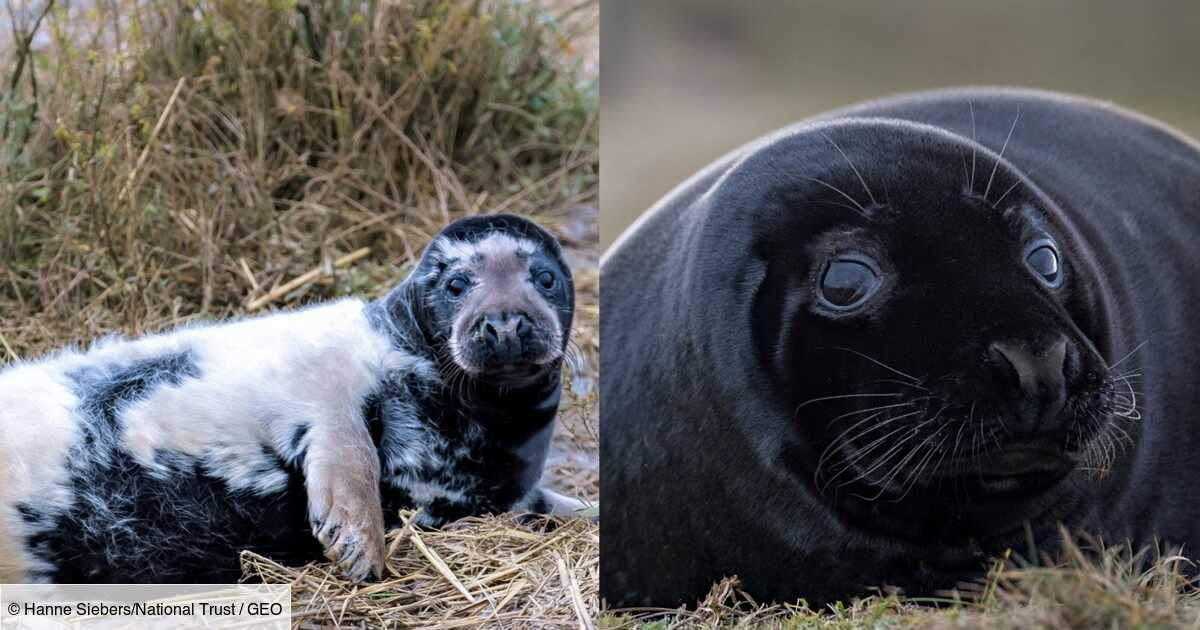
(687, 80)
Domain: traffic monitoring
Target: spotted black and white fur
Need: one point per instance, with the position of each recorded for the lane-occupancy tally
(159, 459)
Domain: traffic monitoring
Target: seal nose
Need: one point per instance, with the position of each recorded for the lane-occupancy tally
(504, 334)
(1041, 377)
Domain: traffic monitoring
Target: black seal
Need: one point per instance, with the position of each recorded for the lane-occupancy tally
(877, 347)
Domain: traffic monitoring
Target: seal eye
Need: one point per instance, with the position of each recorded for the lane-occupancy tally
(847, 282)
(1043, 260)
(456, 285)
(545, 279)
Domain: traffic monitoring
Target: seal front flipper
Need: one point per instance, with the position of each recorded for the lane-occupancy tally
(542, 500)
(341, 478)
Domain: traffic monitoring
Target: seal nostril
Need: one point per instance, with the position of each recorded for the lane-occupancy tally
(1034, 369)
(502, 333)
(489, 330)
(1041, 375)
(523, 326)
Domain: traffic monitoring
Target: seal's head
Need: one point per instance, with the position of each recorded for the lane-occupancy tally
(495, 298)
(930, 322)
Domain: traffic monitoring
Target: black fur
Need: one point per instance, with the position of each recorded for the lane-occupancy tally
(720, 361)
(493, 452)
(297, 444)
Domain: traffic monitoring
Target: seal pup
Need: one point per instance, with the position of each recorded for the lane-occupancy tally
(878, 347)
(294, 434)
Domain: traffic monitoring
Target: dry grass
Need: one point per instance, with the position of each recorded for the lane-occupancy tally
(224, 150)
(1088, 586)
(494, 572)
(167, 161)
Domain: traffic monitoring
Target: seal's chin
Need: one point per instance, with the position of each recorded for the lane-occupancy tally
(1026, 468)
(507, 374)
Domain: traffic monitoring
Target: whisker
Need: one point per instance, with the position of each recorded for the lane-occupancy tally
(1135, 349)
(974, 143)
(842, 439)
(975, 435)
(847, 437)
(996, 440)
(573, 357)
(873, 360)
(1001, 156)
(852, 167)
(860, 453)
(916, 475)
(869, 410)
(961, 426)
(1010, 189)
(1131, 410)
(840, 397)
(840, 205)
(1125, 437)
(861, 209)
(966, 173)
(839, 441)
(848, 464)
(895, 449)
(887, 481)
(896, 382)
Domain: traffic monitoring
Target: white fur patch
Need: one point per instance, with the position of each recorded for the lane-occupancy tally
(496, 244)
(37, 429)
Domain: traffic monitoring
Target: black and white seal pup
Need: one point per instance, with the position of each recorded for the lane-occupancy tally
(878, 347)
(159, 459)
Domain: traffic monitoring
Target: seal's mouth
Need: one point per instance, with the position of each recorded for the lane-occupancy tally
(1015, 460)
(1024, 467)
(948, 448)
(506, 373)
(505, 348)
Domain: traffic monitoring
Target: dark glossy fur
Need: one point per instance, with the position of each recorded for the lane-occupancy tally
(128, 525)
(720, 373)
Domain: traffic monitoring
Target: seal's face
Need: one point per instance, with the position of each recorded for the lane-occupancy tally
(999, 389)
(937, 339)
(498, 298)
